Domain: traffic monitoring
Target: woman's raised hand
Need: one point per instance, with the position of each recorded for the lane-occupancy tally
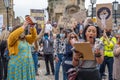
(25, 24)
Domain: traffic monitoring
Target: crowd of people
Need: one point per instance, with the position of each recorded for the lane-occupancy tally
(19, 50)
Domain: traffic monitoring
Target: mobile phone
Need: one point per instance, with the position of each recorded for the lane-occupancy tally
(31, 20)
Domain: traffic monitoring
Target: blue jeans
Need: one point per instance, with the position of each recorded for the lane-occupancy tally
(57, 67)
(66, 67)
(35, 59)
(109, 61)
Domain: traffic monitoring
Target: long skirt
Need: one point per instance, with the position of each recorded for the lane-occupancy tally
(88, 74)
(21, 66)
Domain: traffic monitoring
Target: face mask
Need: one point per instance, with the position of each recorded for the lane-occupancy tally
(108, 33)
(62, 35)
(22, 36)
(46, 37)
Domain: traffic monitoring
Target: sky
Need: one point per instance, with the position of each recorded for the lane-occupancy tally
(87, 2)
(22, 7)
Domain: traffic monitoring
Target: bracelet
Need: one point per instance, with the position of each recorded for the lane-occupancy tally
(98, 55)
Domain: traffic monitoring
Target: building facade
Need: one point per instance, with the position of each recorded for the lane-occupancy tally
(3, 12)
(57, 8)
(39, 15)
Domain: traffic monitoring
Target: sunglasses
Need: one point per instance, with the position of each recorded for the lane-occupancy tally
(72, 37)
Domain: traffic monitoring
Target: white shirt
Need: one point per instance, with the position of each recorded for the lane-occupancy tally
(48, 28)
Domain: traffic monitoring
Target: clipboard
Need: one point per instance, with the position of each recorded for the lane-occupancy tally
(86, 50)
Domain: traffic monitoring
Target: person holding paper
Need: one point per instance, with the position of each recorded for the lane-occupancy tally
(89, 68)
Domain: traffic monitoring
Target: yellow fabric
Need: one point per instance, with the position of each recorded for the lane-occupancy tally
(13, 39)
(108, 47)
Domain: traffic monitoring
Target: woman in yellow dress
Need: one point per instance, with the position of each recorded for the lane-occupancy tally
(21, 65)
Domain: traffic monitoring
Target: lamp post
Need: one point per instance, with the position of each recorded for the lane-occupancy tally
(6, 3)
(92, 2)
(115, 7)
(89, 10)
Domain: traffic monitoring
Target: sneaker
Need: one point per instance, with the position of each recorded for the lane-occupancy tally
(47, 74)
(104, 76)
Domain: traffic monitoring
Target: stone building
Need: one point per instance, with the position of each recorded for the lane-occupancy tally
(3, 12)
(16, 21)
(56, 8)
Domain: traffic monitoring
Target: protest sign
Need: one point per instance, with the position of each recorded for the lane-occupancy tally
(104, 15)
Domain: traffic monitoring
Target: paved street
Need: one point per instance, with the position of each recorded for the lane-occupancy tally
(42, 71)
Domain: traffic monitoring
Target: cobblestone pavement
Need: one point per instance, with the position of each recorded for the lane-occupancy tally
(42, 71)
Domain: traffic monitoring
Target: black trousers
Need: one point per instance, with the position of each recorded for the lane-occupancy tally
(109, 62)
(3, 68)
(49, 58)
(88, 74)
